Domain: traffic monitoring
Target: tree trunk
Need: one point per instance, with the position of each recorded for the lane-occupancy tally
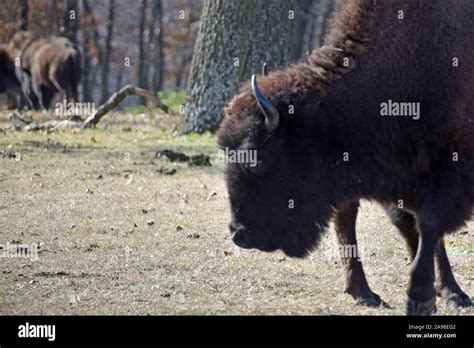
(158, 52)
(186, 59)
(90, 50)
(71, 20)
(107, 50)
(142, 61)
(234, 40)
(303, 19)
(119, 81)
(24, 15)
(320, 13)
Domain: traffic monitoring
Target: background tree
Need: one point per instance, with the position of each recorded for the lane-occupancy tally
(90, 51)
(317, 16)
(142, 58)
(234, 40)
(157, 50)
(108, 48)
(71, 20)
(323, 10)
(303, 20)
(181, 22)
(169, 36)
(24, 14)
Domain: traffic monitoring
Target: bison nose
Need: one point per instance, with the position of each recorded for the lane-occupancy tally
(239, 234)
(240, 238)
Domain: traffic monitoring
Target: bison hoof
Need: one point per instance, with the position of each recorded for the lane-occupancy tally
(421, 307)
(454, 296)
(370, 300)
(459, 299)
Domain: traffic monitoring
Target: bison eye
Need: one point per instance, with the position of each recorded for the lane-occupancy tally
(259, 164)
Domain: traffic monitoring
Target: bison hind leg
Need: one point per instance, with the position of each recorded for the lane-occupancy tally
(446, 284)
(46, 96)
(62, 91)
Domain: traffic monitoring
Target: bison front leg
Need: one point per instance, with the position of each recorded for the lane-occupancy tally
(356, 282)
(27, 88)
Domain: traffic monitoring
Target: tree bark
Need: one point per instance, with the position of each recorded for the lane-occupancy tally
(320, 11)
(24, 14)
(142, 61)
(158, 52)
(318, 14)
(303, 19)
(107, 51)
(234, 40)
(71, 20)
(89, 49)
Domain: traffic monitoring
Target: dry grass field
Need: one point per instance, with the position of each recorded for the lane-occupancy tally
(119, 233)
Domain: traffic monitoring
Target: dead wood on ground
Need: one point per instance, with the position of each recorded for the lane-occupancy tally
(77, 122)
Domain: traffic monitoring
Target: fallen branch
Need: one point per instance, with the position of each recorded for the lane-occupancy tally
(28, 126)
(116, 98)
(92, 120)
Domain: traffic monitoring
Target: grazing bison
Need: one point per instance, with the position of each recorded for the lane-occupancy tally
(383, 111)
(48, 66)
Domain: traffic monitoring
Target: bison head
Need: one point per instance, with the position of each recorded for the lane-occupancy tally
(20, 41)
(282, 200)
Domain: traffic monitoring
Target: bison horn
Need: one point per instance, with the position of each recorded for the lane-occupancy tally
(272, 117)
(265, 69)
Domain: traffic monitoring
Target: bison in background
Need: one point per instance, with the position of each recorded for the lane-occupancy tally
(9, 82)
(324, 141)
(48, 66)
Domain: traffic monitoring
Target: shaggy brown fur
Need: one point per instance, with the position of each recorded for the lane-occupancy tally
(338, 111)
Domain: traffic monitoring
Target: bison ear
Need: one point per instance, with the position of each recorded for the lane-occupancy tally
(272, 116)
